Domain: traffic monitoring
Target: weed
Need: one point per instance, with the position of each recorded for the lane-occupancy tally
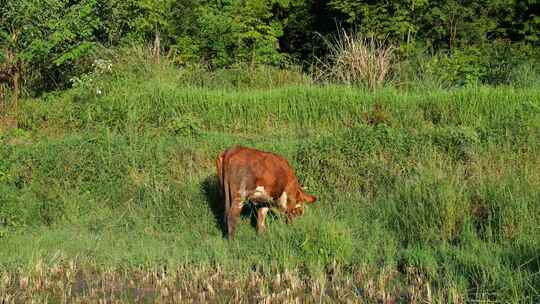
(356, 60)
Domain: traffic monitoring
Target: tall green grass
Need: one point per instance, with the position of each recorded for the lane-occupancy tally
(438, 185)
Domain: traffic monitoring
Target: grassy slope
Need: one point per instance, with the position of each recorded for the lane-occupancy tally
(439, 186)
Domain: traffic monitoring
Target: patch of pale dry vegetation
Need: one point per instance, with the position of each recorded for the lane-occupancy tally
(356, 60)
(74, 283)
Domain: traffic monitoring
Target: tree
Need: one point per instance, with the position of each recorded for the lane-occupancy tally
(443, 24)
(227, 32)
(41, 39)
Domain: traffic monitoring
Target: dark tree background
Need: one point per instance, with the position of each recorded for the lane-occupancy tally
(45, 42)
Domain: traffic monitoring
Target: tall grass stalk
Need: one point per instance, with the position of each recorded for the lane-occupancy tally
(356, 60)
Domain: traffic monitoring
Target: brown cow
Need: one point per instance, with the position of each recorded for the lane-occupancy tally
(264, 178)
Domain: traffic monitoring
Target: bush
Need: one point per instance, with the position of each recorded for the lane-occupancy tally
(495, 63)
(460, 67)
(356, 60)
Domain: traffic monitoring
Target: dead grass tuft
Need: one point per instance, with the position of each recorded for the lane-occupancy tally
(356, 60)
(75, 284)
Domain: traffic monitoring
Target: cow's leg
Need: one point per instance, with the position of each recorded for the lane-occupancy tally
(288, 218)
(261, 216)
(283, 204)
(233, 215)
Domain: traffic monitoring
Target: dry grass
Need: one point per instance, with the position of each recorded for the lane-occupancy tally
(71, 283)
(356, 60)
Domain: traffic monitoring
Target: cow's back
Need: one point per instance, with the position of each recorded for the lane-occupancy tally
(251, 168)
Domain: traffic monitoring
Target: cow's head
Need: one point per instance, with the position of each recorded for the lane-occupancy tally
(296, 206)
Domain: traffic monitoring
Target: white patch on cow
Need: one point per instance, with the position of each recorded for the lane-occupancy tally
(282, 200)
(260, 195)
(298, 206)
(260, 191)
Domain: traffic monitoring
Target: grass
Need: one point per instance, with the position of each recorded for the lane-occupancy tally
(357, 60)
(423, 195)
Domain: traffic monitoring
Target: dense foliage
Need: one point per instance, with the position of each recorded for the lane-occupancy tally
(48, 42)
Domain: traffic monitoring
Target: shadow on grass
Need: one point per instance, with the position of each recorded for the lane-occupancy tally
(210, 188)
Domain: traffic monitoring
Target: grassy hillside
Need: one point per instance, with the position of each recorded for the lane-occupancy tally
(423, 194)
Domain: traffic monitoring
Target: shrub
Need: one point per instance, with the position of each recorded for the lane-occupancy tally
(494, 63)
(357, 60)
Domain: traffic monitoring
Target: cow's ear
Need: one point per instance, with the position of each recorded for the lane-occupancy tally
(304, 197)
(310, 199)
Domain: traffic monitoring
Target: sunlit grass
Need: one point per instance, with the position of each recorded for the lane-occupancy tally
(422, 194)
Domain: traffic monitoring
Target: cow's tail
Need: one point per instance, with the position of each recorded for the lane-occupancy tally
(224, 184)
(219, 171)
(227, 194)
